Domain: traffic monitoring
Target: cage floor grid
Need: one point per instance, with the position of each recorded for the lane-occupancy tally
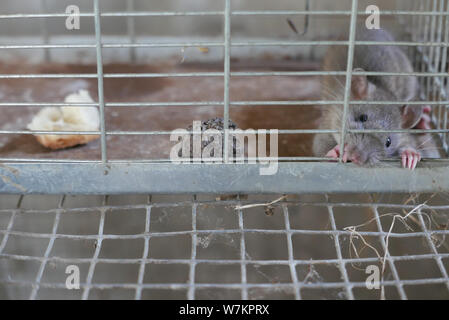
(228, 247)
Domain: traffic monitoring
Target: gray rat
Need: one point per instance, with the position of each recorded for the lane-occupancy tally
(369, 148)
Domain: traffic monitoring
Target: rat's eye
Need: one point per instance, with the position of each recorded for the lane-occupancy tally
(363, 118)
(388, 143)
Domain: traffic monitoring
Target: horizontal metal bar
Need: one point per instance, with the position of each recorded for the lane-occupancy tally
(335, 102)
(238, 285)
(138, 75)
(223, 261)
(280, 131)
(336, 12)
(110, 75)
(49, 160)
(223, 231)
(162, 13)
(227, 203)
(217, 74)
(410, 131)
(303, 131)
(164, 104)
(114, 14)
(43, 15)
(47, 46)
(220, 103)
(279, 159)
(220, 44)
(292, 131)
(163, 75)
(294, 178)
(294, 43)
(114, 45)
(427, 161)
(163, 45)
(42, 132)
(337, 73)
(343, 43)
(220, 13)
(47, 104)
(150, 161)
(47, 76)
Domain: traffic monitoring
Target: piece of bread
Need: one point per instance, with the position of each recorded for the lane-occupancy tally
(67, 118)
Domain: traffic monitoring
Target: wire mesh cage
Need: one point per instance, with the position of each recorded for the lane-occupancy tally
(138, 226)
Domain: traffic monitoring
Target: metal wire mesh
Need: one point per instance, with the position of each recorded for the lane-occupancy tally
(429, 40)
(138, 247)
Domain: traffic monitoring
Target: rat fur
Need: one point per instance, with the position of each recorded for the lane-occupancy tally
(369, 148)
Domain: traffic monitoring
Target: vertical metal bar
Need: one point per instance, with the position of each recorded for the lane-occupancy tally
(414, 33)
(352, 31)
(44, 29)
(342, 265)
(227, 75)
(10, 224)
(48, 250)
(444, 69)
(420, 37)
(437, 87)
(431, 57)
(291, 259)
(438, 49)
(394, 271)
(434, 249)
(100, 80)
(426, 52)
(145, 251)
(94, 260)
(415, 36)
(131, 30)
(242, 256)
(191, 292)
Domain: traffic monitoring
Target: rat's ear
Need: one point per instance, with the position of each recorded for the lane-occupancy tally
(359, 85)
(411, 115)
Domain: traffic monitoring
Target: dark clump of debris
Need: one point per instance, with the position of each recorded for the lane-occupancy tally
(215, 123)
(218, 124)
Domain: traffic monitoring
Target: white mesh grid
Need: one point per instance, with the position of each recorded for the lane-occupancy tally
(173, 247)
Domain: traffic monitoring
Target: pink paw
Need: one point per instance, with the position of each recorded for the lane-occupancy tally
(335, 153)
(424, 123)
(410, 158)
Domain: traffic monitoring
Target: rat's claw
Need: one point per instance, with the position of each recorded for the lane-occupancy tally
(410, 158)
(335, 153)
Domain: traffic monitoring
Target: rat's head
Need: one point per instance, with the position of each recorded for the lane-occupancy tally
(369, 148)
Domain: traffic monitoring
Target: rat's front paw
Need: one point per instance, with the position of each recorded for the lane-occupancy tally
(410, 158)
(335, 153)
(425, 121)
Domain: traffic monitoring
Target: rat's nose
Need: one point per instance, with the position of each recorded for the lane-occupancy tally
(356, 156)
